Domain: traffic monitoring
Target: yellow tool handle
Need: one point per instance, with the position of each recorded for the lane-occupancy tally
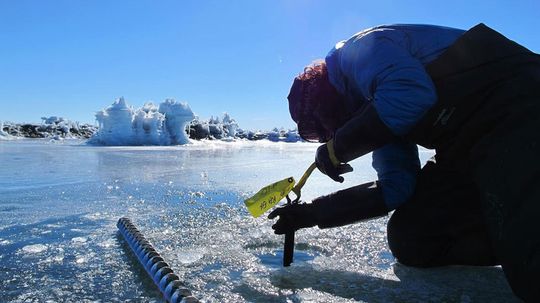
(296, 190)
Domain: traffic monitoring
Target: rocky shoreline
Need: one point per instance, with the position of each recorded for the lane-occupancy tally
(49, 130)
(58, 128)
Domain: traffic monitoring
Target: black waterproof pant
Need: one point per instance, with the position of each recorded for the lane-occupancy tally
(442, 224)
(480, 203)
(492, 218)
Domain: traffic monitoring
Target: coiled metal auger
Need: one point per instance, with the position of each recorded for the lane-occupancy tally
(161, 273)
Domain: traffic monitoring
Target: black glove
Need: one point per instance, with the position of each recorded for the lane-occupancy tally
(292, 217)
(328, 164)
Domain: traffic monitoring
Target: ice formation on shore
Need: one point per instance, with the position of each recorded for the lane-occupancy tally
(120, 124)
(225, 129)
(3, 135)
(56, 128)
(169, 123)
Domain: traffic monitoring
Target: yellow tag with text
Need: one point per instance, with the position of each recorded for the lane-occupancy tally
(269, 196)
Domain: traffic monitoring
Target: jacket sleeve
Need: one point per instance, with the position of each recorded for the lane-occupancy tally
(397, 166)
(397, 89)
(388, 75)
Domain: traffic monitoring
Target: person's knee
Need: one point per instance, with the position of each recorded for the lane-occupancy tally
(405, 245)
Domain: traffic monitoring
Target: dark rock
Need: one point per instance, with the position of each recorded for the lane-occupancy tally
(199, 131)
(31, 131)
(216, 131)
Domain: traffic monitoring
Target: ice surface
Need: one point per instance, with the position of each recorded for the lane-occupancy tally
(188, 201)
(79, 240)
(120, 124)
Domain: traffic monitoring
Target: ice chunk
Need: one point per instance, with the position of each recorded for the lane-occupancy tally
(229, 125)
(116, 124)
(120, 124)
(34, 248)
(5, 242)
(177, 116)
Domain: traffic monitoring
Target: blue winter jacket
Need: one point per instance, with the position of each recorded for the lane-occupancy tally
(385, 65)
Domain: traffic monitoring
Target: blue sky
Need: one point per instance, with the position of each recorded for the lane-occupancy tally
(73, 58)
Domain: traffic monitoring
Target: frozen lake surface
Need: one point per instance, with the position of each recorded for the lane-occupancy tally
(59, 204)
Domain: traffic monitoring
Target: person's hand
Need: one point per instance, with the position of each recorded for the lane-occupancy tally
(328, 163)
(293, 217)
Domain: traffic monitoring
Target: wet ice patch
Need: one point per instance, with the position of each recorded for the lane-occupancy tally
(80, 260)
(107, 243)
(197, 194)
(34, 248)
(79, 240)
(54, 226)
(275, 259)
(54, 259)
(94, 216)
(189, 256)
(311, 295)
(5, 242)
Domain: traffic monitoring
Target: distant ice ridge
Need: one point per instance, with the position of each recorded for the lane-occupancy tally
(290, 135)
(56, 128)
(120, 124)
(169, 123)
(227, 129)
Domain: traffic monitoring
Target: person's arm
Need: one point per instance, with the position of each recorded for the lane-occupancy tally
(397, 166)
(396, 86)
(347, 206)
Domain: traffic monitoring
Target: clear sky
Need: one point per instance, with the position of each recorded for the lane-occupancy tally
(72, 58)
